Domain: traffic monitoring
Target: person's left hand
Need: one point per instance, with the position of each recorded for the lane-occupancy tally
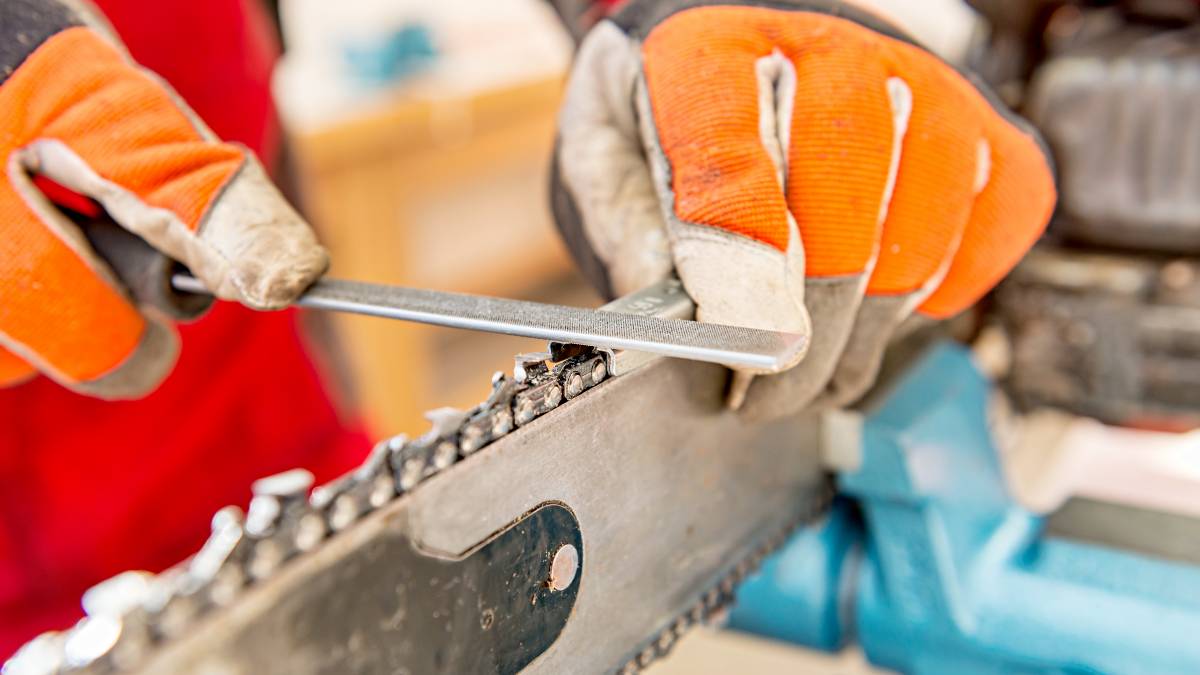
(801, 166)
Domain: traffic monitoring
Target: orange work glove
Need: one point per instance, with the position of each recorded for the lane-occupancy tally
(802, 166)
(74, 109)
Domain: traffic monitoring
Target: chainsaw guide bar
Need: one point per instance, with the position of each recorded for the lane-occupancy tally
(597, 505)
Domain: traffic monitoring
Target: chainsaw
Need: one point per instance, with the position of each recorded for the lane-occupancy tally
(599, 503)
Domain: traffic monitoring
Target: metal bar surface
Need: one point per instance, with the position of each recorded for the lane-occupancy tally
(670, 490)
(759, 350)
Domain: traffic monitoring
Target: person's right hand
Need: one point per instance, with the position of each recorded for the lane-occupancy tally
(76, 110)
(802, 166)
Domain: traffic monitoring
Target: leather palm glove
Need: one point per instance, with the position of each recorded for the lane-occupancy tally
(802, 166)
(75, 110)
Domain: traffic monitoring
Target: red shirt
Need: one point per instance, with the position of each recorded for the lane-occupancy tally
(90, 488)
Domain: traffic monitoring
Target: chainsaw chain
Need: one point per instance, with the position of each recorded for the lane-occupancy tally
(134, 613)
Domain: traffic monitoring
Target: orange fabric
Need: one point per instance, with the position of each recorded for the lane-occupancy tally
(1008, 218)
(705, 100)
(935, 184)
(54, 304)
(700, 71)
(13, 370)
(79, 89)
(841, 148)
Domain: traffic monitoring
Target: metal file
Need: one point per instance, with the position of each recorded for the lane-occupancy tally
(762, 351)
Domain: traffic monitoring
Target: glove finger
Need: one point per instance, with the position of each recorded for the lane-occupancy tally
(717, 160)
(944, 159)
(106, 129)
(62, 309)
(846, 142)
(1008, 216)
(603, 197)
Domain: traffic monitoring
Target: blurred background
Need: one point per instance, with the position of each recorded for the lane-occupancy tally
(419, 135)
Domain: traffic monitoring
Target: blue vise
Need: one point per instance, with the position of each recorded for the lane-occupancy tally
(927, 562)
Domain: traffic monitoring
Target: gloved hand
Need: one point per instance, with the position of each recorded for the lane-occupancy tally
(74, 109)
(802, 166)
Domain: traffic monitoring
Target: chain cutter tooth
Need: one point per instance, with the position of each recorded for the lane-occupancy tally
(409, 466)
(541, 395)
(491, 419)
(582, 373)
(276, 509)
(352, 496)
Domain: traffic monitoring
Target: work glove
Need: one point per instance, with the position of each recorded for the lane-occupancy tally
(802, 166)
(76, 110)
